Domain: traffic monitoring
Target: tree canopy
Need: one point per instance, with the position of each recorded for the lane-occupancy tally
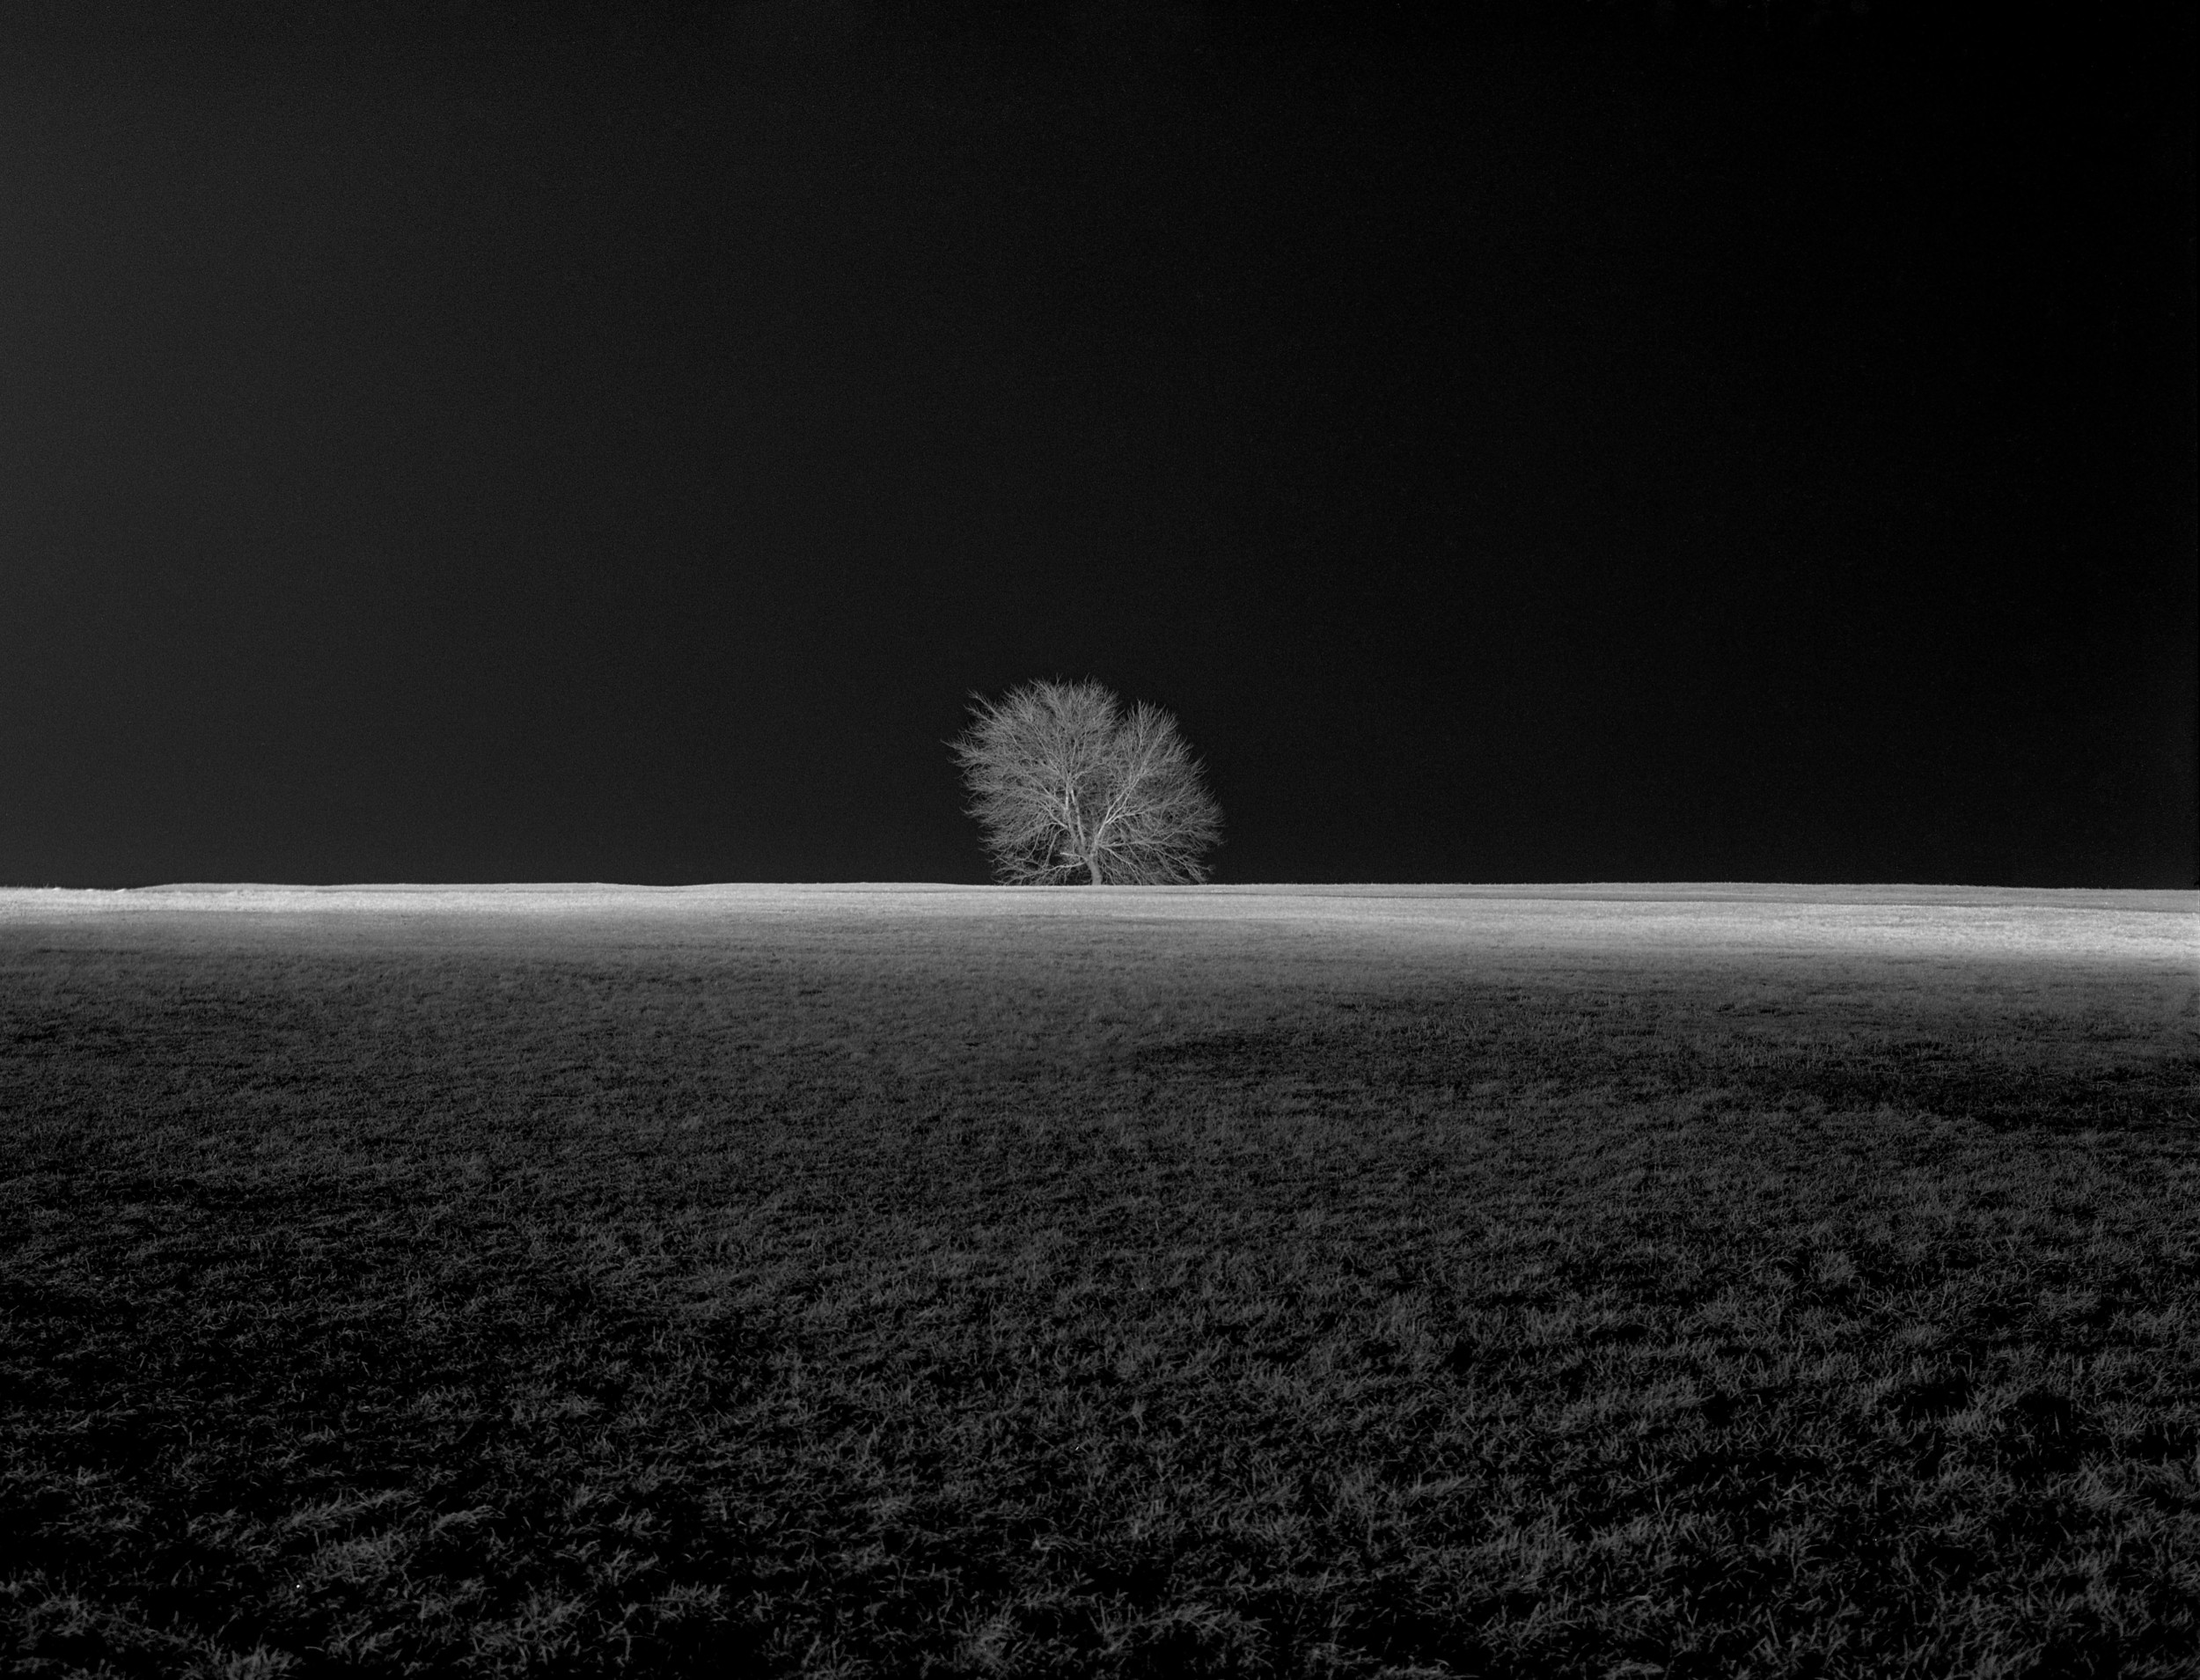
(1067, 783)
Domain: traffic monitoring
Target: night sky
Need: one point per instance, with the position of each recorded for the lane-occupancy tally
(1591, 441)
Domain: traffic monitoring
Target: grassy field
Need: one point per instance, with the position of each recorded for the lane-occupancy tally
(1181, 1282)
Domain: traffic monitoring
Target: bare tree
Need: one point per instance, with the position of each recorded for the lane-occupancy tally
(1066, 783)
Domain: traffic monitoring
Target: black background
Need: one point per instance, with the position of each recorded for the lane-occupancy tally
(1605, 441)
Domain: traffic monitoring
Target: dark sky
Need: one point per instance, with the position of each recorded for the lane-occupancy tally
(1576, 442)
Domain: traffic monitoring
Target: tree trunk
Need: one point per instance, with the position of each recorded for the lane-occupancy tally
(1093, 863)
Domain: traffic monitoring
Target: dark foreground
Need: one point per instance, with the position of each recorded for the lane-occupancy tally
(1086, 1297)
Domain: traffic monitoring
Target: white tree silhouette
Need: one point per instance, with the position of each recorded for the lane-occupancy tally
(1064, 782)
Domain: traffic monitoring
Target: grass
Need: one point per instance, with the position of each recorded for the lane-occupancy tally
(1149, 1284)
